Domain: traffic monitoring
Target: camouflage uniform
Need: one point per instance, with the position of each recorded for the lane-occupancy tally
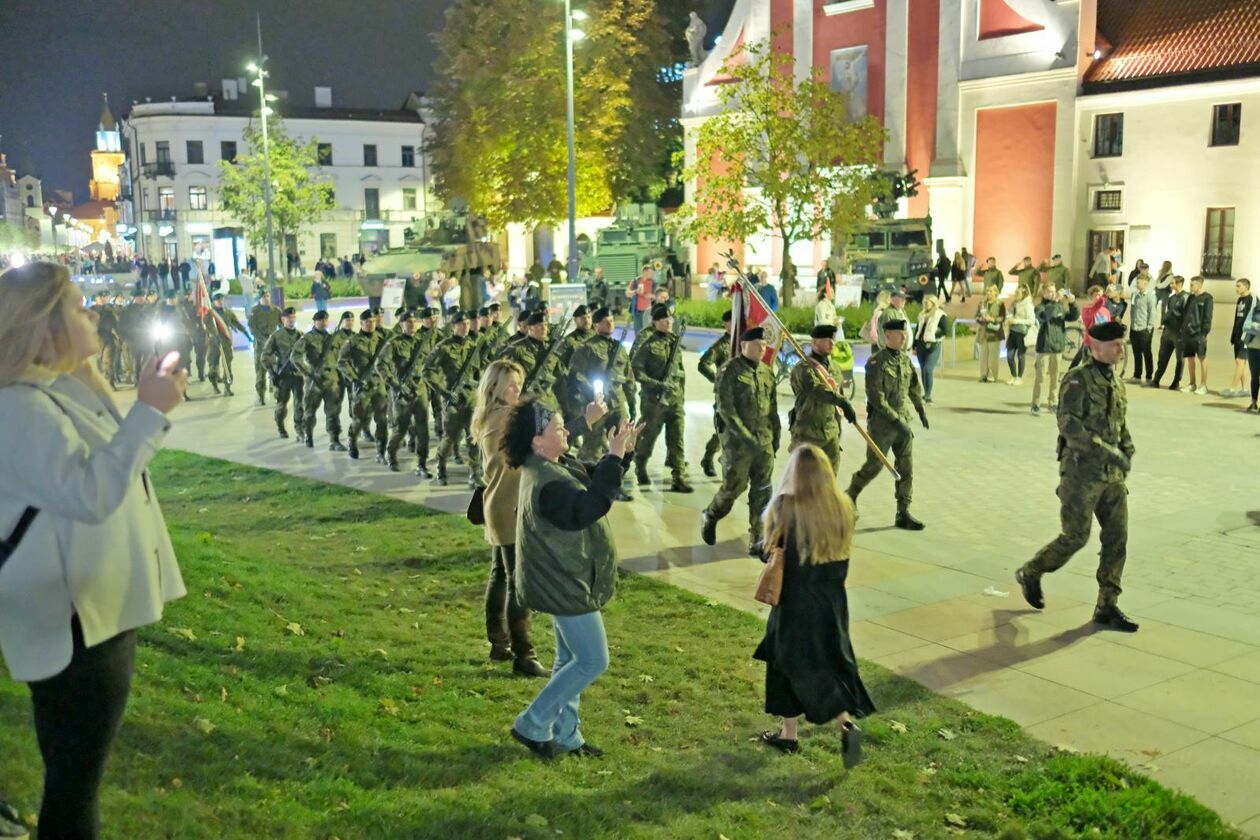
(110, 359)
(560, 383)
(661, 405)
(528, 353)
(590, 362)
(431, 337)
(448, 374)
(748, 421)
(718, 354)
(219, 347)
(403, 366)
(316, 357)
(279, 358)
(358, 364)
(1094, 453)
(133, 328)
(263, 321)
(891, 388)
(813, 418)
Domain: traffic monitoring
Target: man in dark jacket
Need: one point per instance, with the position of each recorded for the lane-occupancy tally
(1170, 338)
(1053, 313)
(1194, 333)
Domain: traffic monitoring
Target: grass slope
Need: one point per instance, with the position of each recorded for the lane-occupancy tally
(326, 677)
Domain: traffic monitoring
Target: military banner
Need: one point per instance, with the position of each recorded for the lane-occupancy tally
(748, 311)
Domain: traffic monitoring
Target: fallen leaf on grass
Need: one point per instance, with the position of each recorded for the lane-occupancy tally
(388, 707)
(1020, 759)
(820, 803)
(203, 510)
(239, 644)
(956, 820)
(360, 548)
(437, 680)
(1065, 748)
(320, 681)
(281, 690)
(203, 726)
(946, 734)
(898, 727)
(646, 678)
(536, 821)
(183, 633)
(711, 603)
(358, 571)
(633, 720)
(295, 628)
(902, 834)
(381, 652)
(994, 592)
(223, 695)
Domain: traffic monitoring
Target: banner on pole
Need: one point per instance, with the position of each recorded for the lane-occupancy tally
(748, 311)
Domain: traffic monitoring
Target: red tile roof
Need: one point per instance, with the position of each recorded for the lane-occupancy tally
(1166, 39)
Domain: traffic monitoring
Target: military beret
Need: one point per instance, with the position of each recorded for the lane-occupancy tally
(895, 324)
(726, 316)
(600, 314)
(451, 310)
(366, 313)
(347, 316)
(455, 317)
(483, 312)
(377, 312)
(823, 331)
(399, 311)
(753, 334)
(404, 315)
(494, 307)
(580, 311)
(320, 315)
(428, 312)
(1107, 331)
(1057, 257)
(289, 310)
(535, 318)
(660, 311)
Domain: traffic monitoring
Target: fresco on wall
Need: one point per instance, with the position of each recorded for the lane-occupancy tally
(848, 76)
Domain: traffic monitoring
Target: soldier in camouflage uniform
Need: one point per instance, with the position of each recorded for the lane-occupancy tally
(219, 346)
(200, 338)
(891, 387)
(658, 370)
(279, 359)
(813, 418)
(748, 420)
(430, 335)
(263, 319)
(341, 337)
(531, 354)
(316, 357)
(448, 373)
(601, 358)
(564, 354)
(357, 363)
(134, 323)
(711, 360)
(109, 361)
(1095, 455)
(403, 365)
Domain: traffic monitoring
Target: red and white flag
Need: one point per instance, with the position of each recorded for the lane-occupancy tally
(748, 310)
(201, 304)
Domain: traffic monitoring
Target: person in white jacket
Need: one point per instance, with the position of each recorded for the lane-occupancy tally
(1019, 322)
(86, 558)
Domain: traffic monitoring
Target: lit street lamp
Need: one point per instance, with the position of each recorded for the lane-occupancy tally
(571, 34)
(259, 69)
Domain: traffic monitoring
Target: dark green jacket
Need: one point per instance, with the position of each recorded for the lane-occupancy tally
(746, 402)
(814, 415)
(1092, 422)
(359, 362)
(590, 362)
(1052, 316)
(444, 369)
(317, 355)
(892, 387)
(263, 321)
(1056, 274)
(718, 354)
(402, 364)
(649, 366)
(528, 353)
(279, 350)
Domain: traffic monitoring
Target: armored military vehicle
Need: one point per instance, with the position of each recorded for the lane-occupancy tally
(891, 253)
(636, 238)
(455, 244)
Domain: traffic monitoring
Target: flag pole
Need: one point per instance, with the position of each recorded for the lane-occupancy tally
(800, 351)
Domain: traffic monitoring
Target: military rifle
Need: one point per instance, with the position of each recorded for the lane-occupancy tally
(554, 345)
(679, 330)
(405, 376)
(357, 385)
(452, 395)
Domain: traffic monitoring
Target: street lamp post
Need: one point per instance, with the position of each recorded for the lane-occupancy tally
(571, 35)
(260, 83)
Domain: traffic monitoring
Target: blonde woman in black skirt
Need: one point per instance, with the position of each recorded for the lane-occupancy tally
(810, 666)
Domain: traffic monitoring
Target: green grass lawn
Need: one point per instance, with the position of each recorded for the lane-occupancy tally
(326, 676)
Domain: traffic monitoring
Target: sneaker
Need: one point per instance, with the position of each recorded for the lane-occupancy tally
(1053, 406)
(1112, 618)
(1201, 390)
(1036, 411)
(1186, 389)
(1019, 380)
(1252, 409)
(1012, 381)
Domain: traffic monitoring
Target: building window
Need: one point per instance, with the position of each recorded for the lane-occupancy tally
(1226, 124)
(163, 149)
(369, 154)
(30, 201)
(1218, 242)
(408, 156)
(166, 200)
(1107, 201)
(144, 157)
(197, 198)
(195, 152)
(372, 203)
(1108, 135)
(409, 198)
(227, 150)
(324, 150)
(328, 245)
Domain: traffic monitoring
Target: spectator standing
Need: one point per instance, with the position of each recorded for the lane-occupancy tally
(1242, 314)
(769, 293)
(567, 564)
(1194, 334)
(714, 284)
(873, 334)
(1019, 321)
(1251, 337)
(639, 292)
(811, 669)
(895, 311)
(1163, 286)
(321, 291)
(1094, 312)
(1027, 275)
(992, 276)
(825, 309)
(91, 559)
(960, 279)
(1100, 272)
(929, 332)
(1142, 328)
(1170, 337)
(1053, 313)
(990, 316)
(942, 270)
(1056, 273)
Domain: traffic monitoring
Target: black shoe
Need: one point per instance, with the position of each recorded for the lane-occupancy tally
(529, 668)
(1111, 618)
(284, 434)
(706, 466)
(423, 471)
(641, 476)
(336, 446)
(500, 652)
(786, 745)
(906, 522)
(309, 441)
(680, 485)
(354, 450)
(227, 390)
(393, 465)
(545, 750)
(261, 401)
(440, 481)
(708, 528)
(1032, 589)
(623, 496)
(851, 745)
(587, 750)
(215, 386)
(457, 459)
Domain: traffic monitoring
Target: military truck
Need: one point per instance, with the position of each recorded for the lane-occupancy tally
(890, 253)
(453, 243)
(636, 238)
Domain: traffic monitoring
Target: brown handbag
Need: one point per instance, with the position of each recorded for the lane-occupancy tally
(770, 582)
(476, 512)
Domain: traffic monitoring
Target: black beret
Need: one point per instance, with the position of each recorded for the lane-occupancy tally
(216, 298)
(535, 318)
(366, 313)
(321, 315)
(580, 311)
(451, 310)
(289, 310)
(660, 311)
(483, 312)
(456, 317)
(895, 324)
(494, 307)
(347, 315)
(399, 311)
(377, 311)
(752, 334)
(823, 331)
(1107, 331)
(726, 316)
(428, 312)
(600, 314)
(404, 315)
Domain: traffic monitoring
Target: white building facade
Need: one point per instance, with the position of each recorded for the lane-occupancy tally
(374, 159)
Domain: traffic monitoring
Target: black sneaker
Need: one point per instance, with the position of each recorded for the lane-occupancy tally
(309, 441)
(1031, 588)
(1111, 618)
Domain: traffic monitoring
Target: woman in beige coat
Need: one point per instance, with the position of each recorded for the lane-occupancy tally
(86, 558)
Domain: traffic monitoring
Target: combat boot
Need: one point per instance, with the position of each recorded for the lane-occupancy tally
(354, 447)
(680, 485)
(1109, 616)
(262, 400)
(282, 431)
(380, 453)
(423, 472)
(1031, 587)
(708, 527)
(227, 389)
(214, 383)
(707, 467)
(640, 474)
(393, 463)
(310, 440)
(441, 474)
(336, 445)
(906, 522)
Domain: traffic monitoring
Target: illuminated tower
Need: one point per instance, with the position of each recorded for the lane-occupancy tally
(107, 157)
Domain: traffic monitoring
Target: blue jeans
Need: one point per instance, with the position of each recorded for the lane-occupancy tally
(581, 656)
(928, 357)
(321, 303)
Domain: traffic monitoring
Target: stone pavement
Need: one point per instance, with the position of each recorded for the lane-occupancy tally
(1180, 700)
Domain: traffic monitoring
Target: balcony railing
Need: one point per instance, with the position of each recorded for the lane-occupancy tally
(160, 215)
(1218, 265)
(394, 216)
(163, 167)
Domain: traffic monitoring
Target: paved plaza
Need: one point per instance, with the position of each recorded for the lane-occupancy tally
(1180, 700)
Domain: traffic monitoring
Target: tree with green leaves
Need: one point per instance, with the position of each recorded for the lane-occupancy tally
(299, 194)
(498, 136)
(17, 238)
(782, 156)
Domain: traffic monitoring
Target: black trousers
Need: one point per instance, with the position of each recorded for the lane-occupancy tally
(1253, 362)
(77, 716)
(1142, 359)
(1169, 344)
(507, 619)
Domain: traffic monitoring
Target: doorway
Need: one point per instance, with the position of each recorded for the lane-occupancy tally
(1099, 241)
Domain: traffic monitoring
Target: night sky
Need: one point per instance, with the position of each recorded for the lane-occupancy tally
(58, 56)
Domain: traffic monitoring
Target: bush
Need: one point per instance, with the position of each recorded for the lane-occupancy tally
(798, 319)
(299, 288)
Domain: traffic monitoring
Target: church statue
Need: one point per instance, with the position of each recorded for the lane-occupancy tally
(696, 30)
